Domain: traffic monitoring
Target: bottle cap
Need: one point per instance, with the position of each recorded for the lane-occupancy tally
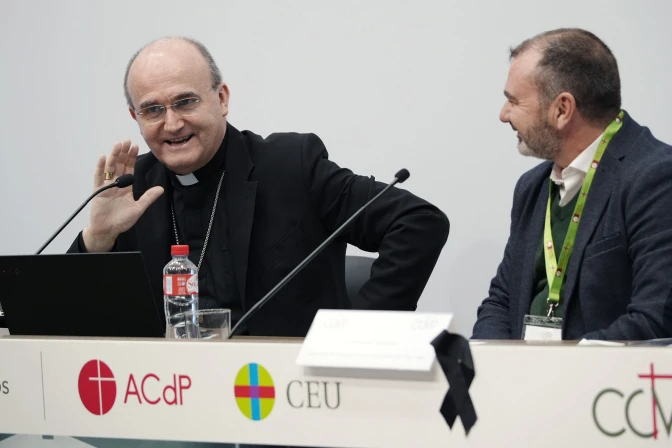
(180, 250)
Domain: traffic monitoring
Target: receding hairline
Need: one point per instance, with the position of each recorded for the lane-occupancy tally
(155, 45)
(539, 42)
(577, 61)
(215, 74)
(542, 41)
(166, 42)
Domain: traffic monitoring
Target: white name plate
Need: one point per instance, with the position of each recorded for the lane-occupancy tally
(379, 340)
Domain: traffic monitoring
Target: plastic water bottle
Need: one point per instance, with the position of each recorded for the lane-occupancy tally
(180, 290)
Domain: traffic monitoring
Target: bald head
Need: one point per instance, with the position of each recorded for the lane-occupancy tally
(170, 52)
(175, 94)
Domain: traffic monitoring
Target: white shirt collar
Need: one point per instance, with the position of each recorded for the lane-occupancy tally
(571, 178)
(187, 179)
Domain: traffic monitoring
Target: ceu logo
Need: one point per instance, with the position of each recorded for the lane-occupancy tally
(254, 391)
(97, 387)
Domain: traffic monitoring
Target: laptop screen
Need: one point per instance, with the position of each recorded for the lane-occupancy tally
(101, 294)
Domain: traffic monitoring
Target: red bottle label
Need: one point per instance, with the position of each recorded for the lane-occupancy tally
(180, 284)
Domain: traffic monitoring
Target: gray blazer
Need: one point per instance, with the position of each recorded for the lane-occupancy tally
(619, 278)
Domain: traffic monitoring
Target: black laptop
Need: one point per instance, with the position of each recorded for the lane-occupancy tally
(106, 295)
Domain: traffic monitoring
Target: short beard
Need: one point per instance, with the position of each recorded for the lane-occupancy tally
(542, 141)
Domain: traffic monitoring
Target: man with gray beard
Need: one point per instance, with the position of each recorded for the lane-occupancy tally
(590, 248)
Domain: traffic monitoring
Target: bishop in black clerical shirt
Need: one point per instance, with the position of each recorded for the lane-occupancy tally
(193, 198)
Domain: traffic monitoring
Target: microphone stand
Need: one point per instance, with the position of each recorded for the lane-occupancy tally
(121, 181)
(400, 177)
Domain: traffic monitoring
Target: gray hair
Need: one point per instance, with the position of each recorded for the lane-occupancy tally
(215, 74)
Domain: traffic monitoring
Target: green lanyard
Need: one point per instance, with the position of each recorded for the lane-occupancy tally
(555, 271)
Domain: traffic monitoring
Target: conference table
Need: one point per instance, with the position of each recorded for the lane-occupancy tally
(109, 392)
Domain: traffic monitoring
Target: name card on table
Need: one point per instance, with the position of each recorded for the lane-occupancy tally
(380, 340)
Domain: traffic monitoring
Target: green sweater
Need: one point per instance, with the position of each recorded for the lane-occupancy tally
(560, 219)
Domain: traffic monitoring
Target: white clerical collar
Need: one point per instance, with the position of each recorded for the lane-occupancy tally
(187, 179)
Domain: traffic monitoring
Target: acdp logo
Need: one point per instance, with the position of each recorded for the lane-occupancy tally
(97, 387)
(636, 407)
(254, 391)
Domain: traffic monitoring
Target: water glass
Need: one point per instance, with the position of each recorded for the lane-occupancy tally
(208, 324)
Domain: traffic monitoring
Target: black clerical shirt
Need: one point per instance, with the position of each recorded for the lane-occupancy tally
(193, 203)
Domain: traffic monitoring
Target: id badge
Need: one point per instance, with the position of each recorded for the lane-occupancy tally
(542, 328)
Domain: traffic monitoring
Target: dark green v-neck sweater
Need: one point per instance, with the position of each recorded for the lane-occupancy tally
(560, 219)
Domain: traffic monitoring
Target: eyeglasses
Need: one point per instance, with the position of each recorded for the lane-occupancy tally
(157, 112)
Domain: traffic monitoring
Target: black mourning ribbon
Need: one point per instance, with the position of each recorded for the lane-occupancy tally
(454, 356)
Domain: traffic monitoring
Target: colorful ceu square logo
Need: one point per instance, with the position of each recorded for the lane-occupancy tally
(254, 391)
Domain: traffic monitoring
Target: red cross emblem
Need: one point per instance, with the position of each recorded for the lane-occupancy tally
(653, 377)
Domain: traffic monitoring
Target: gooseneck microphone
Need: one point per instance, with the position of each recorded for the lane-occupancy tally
(121, 182)
(400, 177)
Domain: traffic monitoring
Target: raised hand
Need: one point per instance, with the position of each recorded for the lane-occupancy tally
(115, 210)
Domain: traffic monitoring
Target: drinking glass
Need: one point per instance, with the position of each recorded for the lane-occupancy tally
(208, 324)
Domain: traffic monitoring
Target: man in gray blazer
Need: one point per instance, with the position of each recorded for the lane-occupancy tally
(590, 248)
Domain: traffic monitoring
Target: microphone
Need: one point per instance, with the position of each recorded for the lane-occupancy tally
(121, 182)
(400, 177)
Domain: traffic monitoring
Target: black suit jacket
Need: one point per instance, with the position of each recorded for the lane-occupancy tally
(283, 197)
(619, 278)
